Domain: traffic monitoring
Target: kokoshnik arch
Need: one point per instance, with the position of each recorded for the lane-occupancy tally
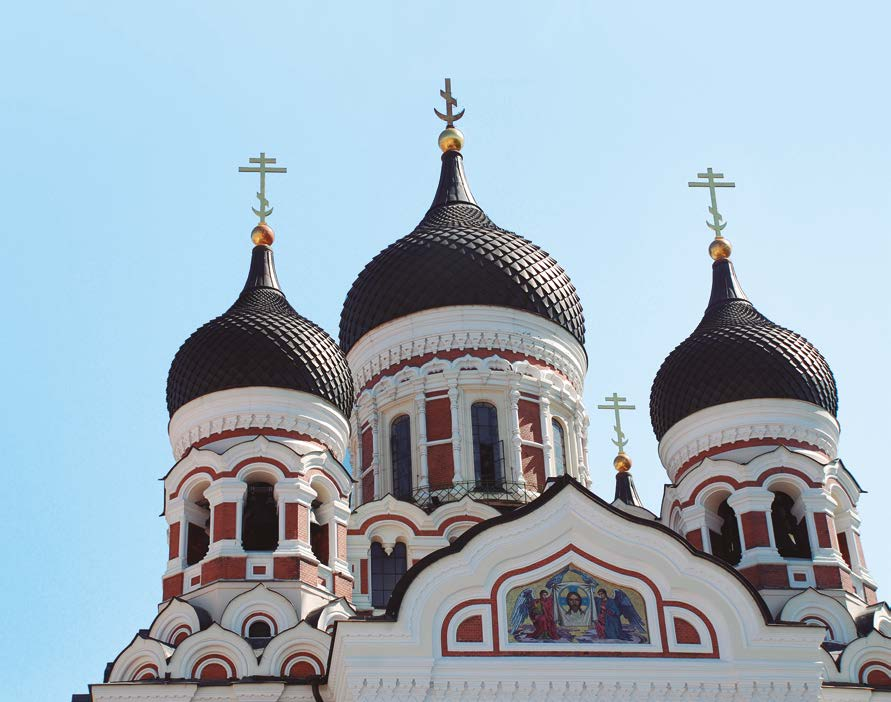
(463, 557)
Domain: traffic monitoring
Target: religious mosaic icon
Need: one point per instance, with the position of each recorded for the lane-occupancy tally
(573, 606)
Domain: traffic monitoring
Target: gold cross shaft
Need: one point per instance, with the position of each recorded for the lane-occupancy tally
(711, 183)
(616, 405)
(262, 168)
(449, 118)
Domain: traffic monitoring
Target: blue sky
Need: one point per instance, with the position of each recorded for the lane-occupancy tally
(128, 226)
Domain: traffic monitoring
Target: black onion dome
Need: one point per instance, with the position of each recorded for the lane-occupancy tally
(260, 341)
(736, 353)
(457, 256)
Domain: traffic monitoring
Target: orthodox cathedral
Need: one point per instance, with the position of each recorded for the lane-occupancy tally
(463, 556)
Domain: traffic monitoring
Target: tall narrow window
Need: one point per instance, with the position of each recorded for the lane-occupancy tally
(385, 572)
(197, 542)
(259, 527)
(790, 533)
(400, 453)
(726, 544)
(487, 453)
(559, 447)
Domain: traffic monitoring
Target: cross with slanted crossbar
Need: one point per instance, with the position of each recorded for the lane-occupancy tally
(262, 168)
(711, 183)
(451, 102)
(621, 441)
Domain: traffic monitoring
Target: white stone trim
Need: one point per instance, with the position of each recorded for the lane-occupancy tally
(467, 327)
(258, 408)
(744, 421)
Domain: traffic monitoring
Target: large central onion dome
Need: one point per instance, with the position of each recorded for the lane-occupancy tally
(736, 353)
(260, 342)
(457, 256)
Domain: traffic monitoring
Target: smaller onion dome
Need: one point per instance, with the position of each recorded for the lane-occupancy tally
(736, 353)
(260, 342)
(458, 256)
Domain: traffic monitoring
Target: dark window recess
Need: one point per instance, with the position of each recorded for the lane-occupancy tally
(844, 548)
(385, 572)
(488, 460)
(400, 452)
(559, 447)
(318, 537)
(259, 630)
(197, 542)
(726, 544)
(259, 528)
(789, 533)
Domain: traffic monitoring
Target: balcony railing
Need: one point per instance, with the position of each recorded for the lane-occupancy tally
(495, 491)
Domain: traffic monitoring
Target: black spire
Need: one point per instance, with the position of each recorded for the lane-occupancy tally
(453, 187)
(625, 490)
(725, 285)
(262, 271)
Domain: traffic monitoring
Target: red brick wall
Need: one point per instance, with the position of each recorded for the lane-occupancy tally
(844, 549)
(440, 465)
(766, 575)
(368, 487)
(821, 521)
(530, 421)
(224, 521)
(173, 536)
(224, 568)
(363, 574)
(695, 538)
(471, 629)
(685, 632)
(341, 541)
(754, 526)
(172, 586)
(827, 576)
(296, 521)
(439, 419)
(533, 467)
(871, 597)
(367, 448)
(291, 568)
(343, 586)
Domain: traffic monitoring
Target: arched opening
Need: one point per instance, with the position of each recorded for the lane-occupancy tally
(259, 526)
(400, 456)
(559, 447)
(725, 542)
(385, 572)
(198, 525)
(488, 460)
(259, 629)
(789, 533)
(318, 535)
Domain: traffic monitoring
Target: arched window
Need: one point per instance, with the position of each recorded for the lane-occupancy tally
(259, 526)
(790, 533)
(197, 526)
(400, 454)
(726, 544)
(487, 453)
(318, 535)
(385, 572)
(259, 630)
(559, 447)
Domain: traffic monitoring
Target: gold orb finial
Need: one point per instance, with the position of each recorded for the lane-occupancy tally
(622, 462)
(451, 139)
(719, 249)
(262, 235)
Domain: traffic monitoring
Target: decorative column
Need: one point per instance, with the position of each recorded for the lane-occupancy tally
(421, 413)
(356, 459)
(335, 515)
(516, 441)
(455, 407)
(581, 445)
(294, 499)
(698, 521)
(547, 435)
(177, 539)
(374, 421)
(761, 563)
(226, 498)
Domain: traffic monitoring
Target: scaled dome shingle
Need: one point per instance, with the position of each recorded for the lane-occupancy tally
(736, 353)
(458, 256)
(260, 341)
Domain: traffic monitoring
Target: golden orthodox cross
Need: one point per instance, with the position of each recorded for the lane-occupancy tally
(449, 118)
(621, 441)
(262, 168)
(711, 183)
